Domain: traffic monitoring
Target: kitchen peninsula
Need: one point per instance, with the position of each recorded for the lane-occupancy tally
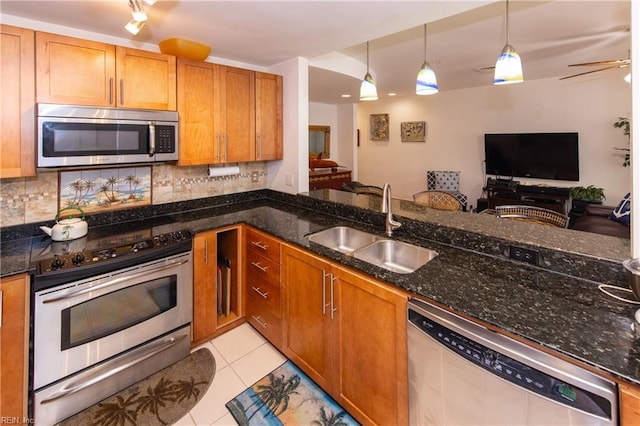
(555, 305)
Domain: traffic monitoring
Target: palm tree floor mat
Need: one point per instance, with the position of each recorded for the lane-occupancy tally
(161, 399)
(286, 396)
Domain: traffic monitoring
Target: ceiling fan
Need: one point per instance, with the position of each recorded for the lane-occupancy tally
(607, 65)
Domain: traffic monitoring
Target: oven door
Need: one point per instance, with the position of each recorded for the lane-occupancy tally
(80, 324)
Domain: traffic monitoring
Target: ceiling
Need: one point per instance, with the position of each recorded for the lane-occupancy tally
(464, 37)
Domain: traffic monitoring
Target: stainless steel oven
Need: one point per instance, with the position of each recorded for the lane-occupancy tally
(71, 135)
(95, 336)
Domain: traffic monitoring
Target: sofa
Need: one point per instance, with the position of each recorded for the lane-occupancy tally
(596, 219)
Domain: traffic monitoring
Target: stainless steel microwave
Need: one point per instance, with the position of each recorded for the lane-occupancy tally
(72, 136)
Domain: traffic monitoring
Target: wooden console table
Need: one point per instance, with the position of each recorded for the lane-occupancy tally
(548, 197)
(328, 178)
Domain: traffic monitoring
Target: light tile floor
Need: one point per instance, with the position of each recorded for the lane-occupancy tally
(243, 357)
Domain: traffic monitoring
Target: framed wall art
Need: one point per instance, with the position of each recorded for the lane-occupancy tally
(379, 127)
(413, 131)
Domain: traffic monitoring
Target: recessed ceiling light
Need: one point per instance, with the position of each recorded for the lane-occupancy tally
(391, 93)
(345, 96)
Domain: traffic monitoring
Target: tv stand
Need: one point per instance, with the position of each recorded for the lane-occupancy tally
(548, 197)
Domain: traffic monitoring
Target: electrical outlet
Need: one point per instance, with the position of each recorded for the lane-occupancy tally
(288, 180)
(254, 177)
(525, 255)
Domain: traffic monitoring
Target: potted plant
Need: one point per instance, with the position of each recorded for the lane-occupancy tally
(583, 195)
(623, 123)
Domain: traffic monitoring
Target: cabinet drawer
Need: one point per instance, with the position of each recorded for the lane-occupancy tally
(260, 266)
(264, 320)
(267, 295)
(263, 244)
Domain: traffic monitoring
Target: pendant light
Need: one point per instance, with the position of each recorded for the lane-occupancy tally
(508, 67)
(426, 83)
(368, 91)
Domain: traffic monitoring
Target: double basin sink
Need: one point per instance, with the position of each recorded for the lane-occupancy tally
(395, 256)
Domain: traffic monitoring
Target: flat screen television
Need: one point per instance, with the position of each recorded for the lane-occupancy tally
(533, 155)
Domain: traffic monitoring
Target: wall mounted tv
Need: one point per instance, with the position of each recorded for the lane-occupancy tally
(533, 155)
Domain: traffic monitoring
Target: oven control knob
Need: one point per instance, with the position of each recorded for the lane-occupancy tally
(177, 236)
(163, 239)
(77, 259)
(57, 262)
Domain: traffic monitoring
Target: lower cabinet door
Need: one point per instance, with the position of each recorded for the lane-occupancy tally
(308, 337)
(372, 354)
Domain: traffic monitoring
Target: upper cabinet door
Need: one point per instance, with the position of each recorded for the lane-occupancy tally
(237, 109)
(145, 80)
(17, 85)
(74, 71)
(268, 116)
(197, 94)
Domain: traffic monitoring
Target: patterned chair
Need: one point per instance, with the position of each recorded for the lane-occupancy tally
(439, 200)
(447, 181)
(533, 214)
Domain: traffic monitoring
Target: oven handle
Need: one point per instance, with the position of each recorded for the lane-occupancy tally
(112, 282)
(64, 392)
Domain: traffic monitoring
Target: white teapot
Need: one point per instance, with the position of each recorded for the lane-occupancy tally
(67, 229)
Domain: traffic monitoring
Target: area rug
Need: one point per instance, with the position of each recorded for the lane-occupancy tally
(161, 399)
(286, 396)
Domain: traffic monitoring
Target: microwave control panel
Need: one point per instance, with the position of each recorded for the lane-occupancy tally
(165, 139)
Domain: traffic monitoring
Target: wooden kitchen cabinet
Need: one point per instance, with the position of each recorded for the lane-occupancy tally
(629, 405)
(263, 285)
(268, 116)
(197, 91)
(217, 290)
(83, 72)
(14, 345)
(216, 105)
(17, 85)
(228, 114)
(348, 333)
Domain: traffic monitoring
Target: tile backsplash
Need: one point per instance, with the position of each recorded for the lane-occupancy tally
(35, 199)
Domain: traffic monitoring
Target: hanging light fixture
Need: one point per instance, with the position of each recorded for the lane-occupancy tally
(368, 91)
(426, 83)
(137, 11)
(508, 67)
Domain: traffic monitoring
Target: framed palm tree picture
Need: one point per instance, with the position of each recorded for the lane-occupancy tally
(100, 190)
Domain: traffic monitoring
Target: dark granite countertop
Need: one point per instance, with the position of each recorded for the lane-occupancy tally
(555, 309)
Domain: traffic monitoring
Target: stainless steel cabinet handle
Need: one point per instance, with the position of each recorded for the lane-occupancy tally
(76, 387)
(206, 252)
(121, 91)
(218, 146)
(333, 306)
(257, 319)
(111, 91)
(259, 147)
(259, 245)
(114, 282)
(257, 290)
(225, 147)
(325, 275)
(0, 309)
(152, 139)
(259, 266)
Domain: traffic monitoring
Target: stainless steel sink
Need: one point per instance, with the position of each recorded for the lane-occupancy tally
(395, 256)
(342, 238)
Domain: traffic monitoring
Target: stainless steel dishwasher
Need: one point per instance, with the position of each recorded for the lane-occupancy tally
(461, 373)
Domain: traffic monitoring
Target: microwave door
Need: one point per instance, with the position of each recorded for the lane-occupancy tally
(93, 143)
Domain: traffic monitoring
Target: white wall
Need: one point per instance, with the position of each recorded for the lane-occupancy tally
(457, 121)
(341, 119)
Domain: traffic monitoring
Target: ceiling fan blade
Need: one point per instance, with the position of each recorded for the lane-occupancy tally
(592, 71)
(619, 62)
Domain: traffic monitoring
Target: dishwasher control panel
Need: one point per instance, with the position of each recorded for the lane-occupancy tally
(512, 370)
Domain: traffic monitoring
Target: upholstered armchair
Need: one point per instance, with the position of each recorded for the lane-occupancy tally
(447, 181)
